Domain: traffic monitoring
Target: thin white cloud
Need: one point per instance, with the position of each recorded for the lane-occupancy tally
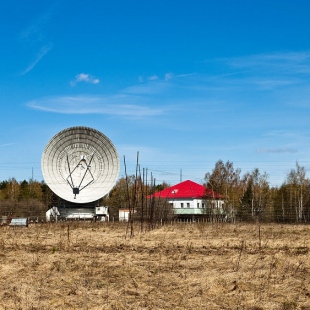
(42, 52)
(168, 76)
(139, 101)
(34, 38)
(276, 150)
(34, 32)
(287, 63)
(84, 77)
(116, 106)
(230, 89)
(281, 133)
(7, 144)
(147, 89)
(153, 78)
(266, 72)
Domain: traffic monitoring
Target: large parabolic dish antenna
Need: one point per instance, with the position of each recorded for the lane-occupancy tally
(80, 164)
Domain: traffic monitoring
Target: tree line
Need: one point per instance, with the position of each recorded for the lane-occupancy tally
(247, 196)
(25, 199)
(250, 195)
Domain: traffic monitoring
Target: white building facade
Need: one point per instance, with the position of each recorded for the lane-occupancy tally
(192, 201)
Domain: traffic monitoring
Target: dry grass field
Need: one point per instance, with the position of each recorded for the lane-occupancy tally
(82, 265)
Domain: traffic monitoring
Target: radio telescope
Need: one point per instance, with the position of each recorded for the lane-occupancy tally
(80, 164)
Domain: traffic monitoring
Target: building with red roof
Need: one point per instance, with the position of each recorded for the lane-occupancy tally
(191, 200)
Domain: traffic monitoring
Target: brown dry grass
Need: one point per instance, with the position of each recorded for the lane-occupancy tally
(180, 266)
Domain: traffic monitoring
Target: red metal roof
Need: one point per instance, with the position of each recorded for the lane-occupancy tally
(187, 189)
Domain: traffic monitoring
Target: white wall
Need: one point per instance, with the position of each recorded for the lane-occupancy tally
(193, 203)
(52, 212)
(123, 215)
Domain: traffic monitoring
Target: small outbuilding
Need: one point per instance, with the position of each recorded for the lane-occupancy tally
(102, 213)
(52, 214)
(123, 214)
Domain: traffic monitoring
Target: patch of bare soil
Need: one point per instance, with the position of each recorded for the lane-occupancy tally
(82, 265)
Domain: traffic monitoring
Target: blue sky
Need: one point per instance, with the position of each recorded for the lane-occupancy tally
(184, 83)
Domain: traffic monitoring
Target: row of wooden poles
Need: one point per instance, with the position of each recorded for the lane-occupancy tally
(150, 216)
(142, 195)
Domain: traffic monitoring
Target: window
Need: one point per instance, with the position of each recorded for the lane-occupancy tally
(198, 206)
(182, 205)
(203, 205)
(188, 205)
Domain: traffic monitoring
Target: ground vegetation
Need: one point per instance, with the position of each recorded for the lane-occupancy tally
(84, 265)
